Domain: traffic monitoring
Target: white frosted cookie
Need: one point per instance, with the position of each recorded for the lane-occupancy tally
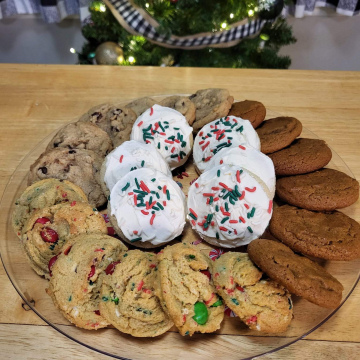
(147, 208)
(168, 131)
(228, 207)
(249, 159)
(221, 134)
(129, 156)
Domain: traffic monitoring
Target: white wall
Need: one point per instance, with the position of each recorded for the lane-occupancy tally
(325, 42)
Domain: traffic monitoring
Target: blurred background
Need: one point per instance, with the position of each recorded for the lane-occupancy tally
(305, 34)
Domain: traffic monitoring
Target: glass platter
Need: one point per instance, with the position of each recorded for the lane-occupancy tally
(233, 341)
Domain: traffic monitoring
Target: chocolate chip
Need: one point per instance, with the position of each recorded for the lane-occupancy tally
(192, 96)
(67, 168)
(72, 152)
(43, 170)
(56, 145)
(98, 115)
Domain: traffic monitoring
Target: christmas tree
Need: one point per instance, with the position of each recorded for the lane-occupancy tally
(184, 18)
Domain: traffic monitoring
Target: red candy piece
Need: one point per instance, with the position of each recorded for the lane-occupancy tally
(97, 312)
(111, 267)
(42, 220)
(49, 235)
(67, 250)
(92, 272)
(251, 319)
(52, 262)
(207, 273)
(240, 288)
(111, 231)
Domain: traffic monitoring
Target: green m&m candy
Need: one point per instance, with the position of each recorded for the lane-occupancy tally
(201, 313)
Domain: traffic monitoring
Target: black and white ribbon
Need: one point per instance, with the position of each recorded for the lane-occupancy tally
(138, 22)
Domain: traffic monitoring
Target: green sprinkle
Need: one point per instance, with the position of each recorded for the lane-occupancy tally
(160, 206)
(187, 333)
(125, 255)
(250, 229)
(224, 219)
(159, 187)
(167, 194)
(236, 191)
(95, 209)
(226, 195)
(161, 127)
(226, 206)
(52, 247)
(235, 301)
(217, 235)
(134, 240)
(252, 212)
(143, 163)
(91, 283)
(116, 300)
(217, 208)
(228, 130)
(166, 148)
(191, 257)
(157, 195)
(193, 216)
(137, 183)
(217, 303)
(218, 173)
(141, 205)
(70, 298)
(155, 208)
(109, 198)
(231, 200)
(153, 179)
(290, 304)
(125, 187)
(158, 145)
(150, 200)
(172, 137)
(209, 217)
(206, 225)
(209, 135)
(104, 298)
(183, 144)
(174, 156)
(241, 128)
(176, 128)
(166, 122)
(211, 200)
(132, 286)
(182, 154)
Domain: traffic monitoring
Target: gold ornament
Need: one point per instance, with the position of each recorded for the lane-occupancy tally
(109, 53)
(167, 61)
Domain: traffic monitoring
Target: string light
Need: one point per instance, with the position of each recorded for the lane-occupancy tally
(264, 37)
(251, 12)
(146, 5)
(72, 50)
(223, 25)
(231, 16)
(131, 59)
(256, 9)
(102, 8)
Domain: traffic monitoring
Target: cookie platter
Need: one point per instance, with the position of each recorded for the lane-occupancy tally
(233, 341)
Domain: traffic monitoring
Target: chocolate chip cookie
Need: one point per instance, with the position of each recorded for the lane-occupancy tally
(322, 190)
(331, 236)
(82, 135)
(97, 116)
(140, 105)
(301, 157)
(298, 274)
(251, 110)
(181, 104)
(277, 133)
(82, 167)
(210, 104)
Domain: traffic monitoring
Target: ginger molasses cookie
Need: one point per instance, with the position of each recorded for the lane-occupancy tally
(298, 274)
(322, 190)
(262, 305)
(130, 156)
(82, 167)
(82, 135)
(181, 104)
(187, 295)
(76, 278)
(43, 194)
(139, 106)
(48, 229)
(331, 235)
(301, 157)
(147, 208)
(121, 120)
(251, 110)
(221, 134)
(128, 299)
(168, 131)
(277, 133)
(210, 104)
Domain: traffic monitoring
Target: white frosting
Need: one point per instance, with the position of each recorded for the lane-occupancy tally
(169, 219)
(172, 139)
(226, 132)
(249, 214)
(249, 159)
(129, 156)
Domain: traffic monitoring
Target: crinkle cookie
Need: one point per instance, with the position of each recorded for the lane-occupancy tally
(130, 156)
(262, 305)
(77, 278)
(82, 135)
(228, 206)
(210, 104)
(48, 229)
(168, 131)
(220, 135)
(128, 299)
(181, 104)
(139, 106)
(187, 295)
(121, 120)
(147, 208)
(298, 274)
(82, 167)
(43, 194)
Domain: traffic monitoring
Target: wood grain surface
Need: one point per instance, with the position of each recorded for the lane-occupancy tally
(35, 100)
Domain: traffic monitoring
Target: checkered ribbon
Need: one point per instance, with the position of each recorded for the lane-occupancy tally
(138, 22)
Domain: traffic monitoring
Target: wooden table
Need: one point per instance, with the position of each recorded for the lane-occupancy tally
(37, 99)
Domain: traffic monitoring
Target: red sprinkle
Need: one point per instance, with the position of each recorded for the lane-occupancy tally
(247, 206)
(231, 280)
(177, 141)
(147, 291)
(135, 232)
(144, 187)
(152, 219)
(193, 222)
(222, 228)
(270, 206)
(225, 186)
(99, 250)
(64, 195)
(49, 235)
(205, 146)
(111, 267)
(152, 266)
(208, 194)
(250, 190)
(240, 288)
(151, 111)
(169, 141)
(197, 185)
(145, 212)
(164, 189)
(209, 301)
(238, 176)
(193, 212)
(207, 159)
(212, 223)
(130, 193)
(185, 174)
(229, 291)
(215, 188)
(148, 142)
(201, 142)
(121, 158)
(233, 221)
(207, 201)
(141, 284)
(140, 123)
(164, 203)
(67, 250)
(216, 199)
(242, 147)
(184, 318)
(221, 161)
(162, 133)
(172, 150)
(200, 133)
(52, 262)
(242, 195)
(235, 232)
(92, 272)
(135, 199)
(242, 219)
